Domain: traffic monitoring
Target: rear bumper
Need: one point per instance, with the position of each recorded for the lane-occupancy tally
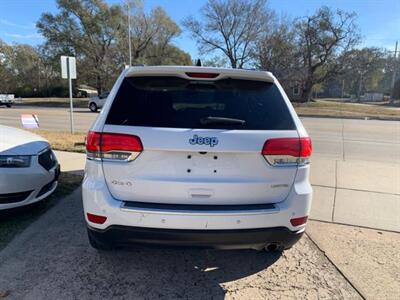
(258, 238)
(252, 226)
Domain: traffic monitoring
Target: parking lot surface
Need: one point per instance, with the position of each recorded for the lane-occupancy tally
(52, 259)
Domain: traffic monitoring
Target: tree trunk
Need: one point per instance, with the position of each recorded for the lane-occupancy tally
(233, 63)
(359, 89)
(307, 91)
(99, 84)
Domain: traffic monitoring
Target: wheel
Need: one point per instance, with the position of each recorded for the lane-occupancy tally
(8, 105)
(93, 107)
(97, 243)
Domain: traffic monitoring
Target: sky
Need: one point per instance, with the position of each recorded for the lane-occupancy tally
(379, 20)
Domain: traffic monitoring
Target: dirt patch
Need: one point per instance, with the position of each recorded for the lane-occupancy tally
(64, 141)
(300, 273)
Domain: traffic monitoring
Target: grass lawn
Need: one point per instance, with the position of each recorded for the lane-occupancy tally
(331, 108)
(14, 221)
(52, 102)
(64, 141)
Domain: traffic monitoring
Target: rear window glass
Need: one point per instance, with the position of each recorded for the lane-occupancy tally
(179, 103)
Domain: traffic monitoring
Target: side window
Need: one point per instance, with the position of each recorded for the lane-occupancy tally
(104, 95)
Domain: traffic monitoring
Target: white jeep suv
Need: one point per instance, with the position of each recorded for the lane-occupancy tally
(197, 156)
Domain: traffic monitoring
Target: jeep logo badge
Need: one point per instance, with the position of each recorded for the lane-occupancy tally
(198, 140)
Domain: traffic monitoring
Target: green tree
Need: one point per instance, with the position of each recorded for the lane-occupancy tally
(6, 75)
(19, 69)
(88, 30)
(364, 69)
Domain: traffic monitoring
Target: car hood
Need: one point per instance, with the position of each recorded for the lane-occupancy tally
(14, 141)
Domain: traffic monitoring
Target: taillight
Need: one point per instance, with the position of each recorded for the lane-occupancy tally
(298, 221)
(201, 75)
(112, 146)
(287, 151)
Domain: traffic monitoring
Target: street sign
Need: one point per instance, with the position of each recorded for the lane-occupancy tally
(30, 121)
(68, 62)
(68, 71)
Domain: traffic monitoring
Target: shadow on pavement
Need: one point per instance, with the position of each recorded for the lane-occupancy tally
(174, 273)
(52, 258)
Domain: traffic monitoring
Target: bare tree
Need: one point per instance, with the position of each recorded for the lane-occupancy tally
(321, 38)
(153, 28)
(152, 34)
(230, 26)
(276, 50)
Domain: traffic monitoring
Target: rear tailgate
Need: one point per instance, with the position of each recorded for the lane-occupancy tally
(172, 170)
(187, 161)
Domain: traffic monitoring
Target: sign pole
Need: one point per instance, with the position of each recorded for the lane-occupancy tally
(71, 106)
(68, 71)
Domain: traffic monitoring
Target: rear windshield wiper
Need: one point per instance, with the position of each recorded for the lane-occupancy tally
(221, 120)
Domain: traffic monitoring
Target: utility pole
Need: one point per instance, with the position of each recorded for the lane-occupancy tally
(129, 32)
(38, 75)
(343, 88)
(394, 73)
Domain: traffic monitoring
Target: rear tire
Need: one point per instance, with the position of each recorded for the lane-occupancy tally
(8, 105)
(93, 107)
(97, 243)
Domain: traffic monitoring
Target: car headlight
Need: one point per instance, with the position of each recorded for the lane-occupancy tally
(15, 161)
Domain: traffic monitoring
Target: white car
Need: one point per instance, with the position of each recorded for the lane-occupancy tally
(28, 168)
(197, 156)
(7, 100)
(97, 102)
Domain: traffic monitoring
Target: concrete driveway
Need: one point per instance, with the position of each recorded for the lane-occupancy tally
(53, 260)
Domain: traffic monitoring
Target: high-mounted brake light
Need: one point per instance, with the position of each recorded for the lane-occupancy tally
(113, 146)
(202, 75)
(287, 151)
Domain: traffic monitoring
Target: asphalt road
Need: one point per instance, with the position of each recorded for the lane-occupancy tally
(368, 140)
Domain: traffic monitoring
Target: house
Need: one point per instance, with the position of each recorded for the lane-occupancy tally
(372, 97)
(292, 89)
(86, 91)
